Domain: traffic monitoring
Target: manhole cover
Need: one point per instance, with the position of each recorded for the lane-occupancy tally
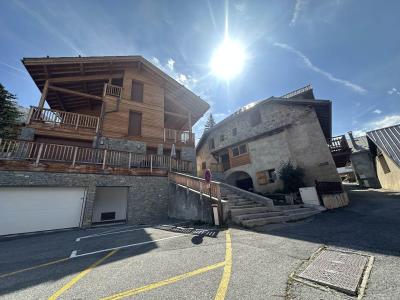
(339, 270)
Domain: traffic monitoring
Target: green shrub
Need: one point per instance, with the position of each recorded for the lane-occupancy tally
(292, 177)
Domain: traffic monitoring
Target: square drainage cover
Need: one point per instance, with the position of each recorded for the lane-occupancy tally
(342, 271)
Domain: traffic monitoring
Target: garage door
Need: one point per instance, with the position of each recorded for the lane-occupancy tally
(39, 208)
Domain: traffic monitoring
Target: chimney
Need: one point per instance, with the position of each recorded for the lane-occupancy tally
(352, 140)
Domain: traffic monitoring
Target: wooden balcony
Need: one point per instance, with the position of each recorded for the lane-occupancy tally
(58, 121)
(22, 155)
(179, 136)
(340, 150)
(112, 90)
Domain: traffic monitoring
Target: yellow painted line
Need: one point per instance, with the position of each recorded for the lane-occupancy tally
(155, 285)
(80, 276)
(226, 276)
(35, 267)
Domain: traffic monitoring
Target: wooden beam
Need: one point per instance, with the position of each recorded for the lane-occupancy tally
(55, 88)
(85, 77)
(44, 94)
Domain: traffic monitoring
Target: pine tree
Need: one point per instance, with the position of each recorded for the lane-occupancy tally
(9, 114)
(210, 123)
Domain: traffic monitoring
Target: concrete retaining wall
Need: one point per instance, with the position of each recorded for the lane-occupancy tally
(147, 195)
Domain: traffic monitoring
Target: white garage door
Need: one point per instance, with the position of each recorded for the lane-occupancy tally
(26, 209)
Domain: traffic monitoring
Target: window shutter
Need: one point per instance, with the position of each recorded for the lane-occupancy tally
(137, 91)
(135, 124)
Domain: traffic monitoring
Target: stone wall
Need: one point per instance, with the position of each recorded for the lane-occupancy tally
(121, 145)
(363, 166)
(147, 197)
(299, 139)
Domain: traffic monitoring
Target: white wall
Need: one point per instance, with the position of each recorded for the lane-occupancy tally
(110, 199)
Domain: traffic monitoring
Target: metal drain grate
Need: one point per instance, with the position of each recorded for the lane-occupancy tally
(339, 270)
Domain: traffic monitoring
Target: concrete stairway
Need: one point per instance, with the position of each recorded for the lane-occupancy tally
(250, 213)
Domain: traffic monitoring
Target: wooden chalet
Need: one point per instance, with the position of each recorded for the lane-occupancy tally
(123, 99)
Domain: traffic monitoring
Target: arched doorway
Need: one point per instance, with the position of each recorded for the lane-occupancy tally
(241, 180)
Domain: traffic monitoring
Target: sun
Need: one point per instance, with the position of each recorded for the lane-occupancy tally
(228, 59)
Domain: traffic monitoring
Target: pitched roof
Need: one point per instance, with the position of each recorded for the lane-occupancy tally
(42, 68)
(388, 141)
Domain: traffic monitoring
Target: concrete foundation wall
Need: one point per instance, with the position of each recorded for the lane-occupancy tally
(188, 205)
(121, 145)
(390, 180)
(147, 195)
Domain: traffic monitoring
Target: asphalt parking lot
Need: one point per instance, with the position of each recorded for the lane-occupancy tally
(115, 263)
(133, 262)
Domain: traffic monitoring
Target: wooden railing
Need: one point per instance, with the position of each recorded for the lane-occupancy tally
(62, 118)
(112, 90)
(178, 136)
(43, 152)
(196, 183)
(338, 143)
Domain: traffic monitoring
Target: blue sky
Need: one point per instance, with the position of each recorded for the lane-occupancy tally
(348, 50)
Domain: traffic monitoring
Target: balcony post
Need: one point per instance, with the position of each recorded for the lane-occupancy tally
(151, 163)
(164, 134)
(97, 124)
(39, 154)
(129, 160)
(190, 126)
(77, 121)
(74, 158)
(44, 95)
(175, 135)
(28, 120)
(104, 159)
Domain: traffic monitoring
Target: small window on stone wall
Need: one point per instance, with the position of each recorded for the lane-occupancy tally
(266, 176)
(239, 150)
(211, 144)
(221, 138)
(234, 131)
(203, 165)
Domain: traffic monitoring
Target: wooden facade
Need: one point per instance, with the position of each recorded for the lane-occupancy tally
(120, 97)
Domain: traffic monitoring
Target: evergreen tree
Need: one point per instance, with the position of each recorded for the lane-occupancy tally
(9, 114)
(210, 122)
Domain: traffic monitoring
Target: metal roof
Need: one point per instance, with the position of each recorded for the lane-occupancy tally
(388, 141)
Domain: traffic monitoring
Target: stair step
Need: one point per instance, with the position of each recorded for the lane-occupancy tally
(241, 202)
(278, 219)
(288, 207)
(256, 216)
(242, 211)
(235, 206)
(297, 211)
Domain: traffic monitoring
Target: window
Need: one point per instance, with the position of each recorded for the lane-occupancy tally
(234, 131)
(137, 91)
(255, 118)
(203, 165)
(135, 123)
(211, 144)
(271, 175)
(266, 176)
(221, 138)
(384, 164)
(239, 150)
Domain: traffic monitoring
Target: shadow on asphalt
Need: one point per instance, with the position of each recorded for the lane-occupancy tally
(370, 223)
(28, 251)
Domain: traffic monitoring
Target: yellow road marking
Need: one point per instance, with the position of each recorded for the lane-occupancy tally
(35, 267)
(223, 285)
(163, 282)
(80, 276)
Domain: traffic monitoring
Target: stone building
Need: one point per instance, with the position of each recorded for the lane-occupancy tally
(247, 148)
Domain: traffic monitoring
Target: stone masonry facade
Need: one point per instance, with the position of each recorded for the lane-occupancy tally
(299, 139)
(147, 196)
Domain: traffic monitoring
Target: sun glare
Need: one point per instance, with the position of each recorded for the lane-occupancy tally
(228, 59)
